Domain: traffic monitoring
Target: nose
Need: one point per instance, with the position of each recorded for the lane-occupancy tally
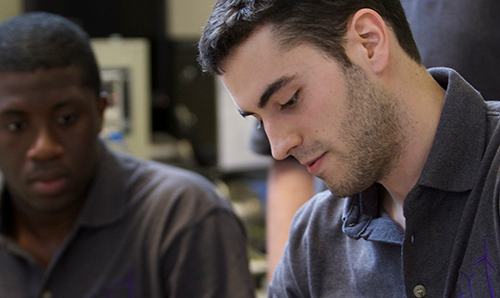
(282, 138)
(45, 146)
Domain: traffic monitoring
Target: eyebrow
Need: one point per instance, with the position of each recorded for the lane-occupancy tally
(11, 112)
(270, 91)
(65, 103)
(21, 111)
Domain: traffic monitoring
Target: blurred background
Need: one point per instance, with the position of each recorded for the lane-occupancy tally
(162, 106)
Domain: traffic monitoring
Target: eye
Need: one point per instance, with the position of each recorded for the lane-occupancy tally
(292, 102)
(15, 126)
(67, 119)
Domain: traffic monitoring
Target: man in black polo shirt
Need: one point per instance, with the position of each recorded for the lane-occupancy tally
(79, 220)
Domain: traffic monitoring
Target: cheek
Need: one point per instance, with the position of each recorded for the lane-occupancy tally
(13, 147)
(325, 101)
(87, 126)
(12, 163)
(80, 140)
(321, 116)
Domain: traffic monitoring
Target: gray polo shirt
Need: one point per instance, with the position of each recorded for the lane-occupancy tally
(146, 230)
(348, 247)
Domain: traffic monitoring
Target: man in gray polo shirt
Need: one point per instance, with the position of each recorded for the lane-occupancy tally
(461, 34)
(78, 220)
(411, 156)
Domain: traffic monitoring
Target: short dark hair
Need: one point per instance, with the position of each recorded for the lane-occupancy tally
(321, 23)
(40, 40)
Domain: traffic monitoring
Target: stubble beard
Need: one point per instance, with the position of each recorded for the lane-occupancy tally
(373, 132)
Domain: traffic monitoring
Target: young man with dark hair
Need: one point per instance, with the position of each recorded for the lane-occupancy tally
(79, 220)
(410, 156)
(447, 33)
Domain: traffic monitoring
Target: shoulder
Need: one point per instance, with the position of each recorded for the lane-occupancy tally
(141, 173)
(323, 208)
(139, 169)
(170, 190)
(315, 224)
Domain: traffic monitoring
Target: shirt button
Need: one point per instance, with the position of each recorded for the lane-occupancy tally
(46, 294)
(419, 291)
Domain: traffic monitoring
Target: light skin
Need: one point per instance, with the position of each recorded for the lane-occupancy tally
(332, 120)
(49, 123)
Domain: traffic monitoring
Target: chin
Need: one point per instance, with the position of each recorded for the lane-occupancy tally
(348, 189)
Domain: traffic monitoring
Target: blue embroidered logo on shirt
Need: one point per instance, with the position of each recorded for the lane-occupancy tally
(487, 265)
(125, 286)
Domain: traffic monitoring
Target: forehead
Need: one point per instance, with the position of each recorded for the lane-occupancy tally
(49, 85)
(251, 64)
(260, 61)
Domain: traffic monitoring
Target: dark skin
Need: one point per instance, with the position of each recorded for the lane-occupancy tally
(49, 123)
(42, 236)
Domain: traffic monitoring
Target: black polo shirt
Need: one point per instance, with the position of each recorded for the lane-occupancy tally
(146, 230)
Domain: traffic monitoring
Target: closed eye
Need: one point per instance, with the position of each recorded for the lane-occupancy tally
(292, 102)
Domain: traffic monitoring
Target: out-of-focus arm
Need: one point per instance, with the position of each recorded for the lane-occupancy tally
(290, 185)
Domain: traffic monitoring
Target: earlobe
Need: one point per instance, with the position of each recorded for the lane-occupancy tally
(369, 35)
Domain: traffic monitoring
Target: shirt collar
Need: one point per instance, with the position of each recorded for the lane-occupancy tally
(453, 161)
(106, 200)
(364, 218)
(457, 150)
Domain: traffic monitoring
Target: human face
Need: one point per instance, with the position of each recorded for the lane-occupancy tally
(340, 123)
(49, 122)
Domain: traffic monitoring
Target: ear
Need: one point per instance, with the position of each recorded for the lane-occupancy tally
(102, 103)
(368, 40)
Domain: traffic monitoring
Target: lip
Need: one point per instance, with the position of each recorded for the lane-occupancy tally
(50, 182)
(314, 166)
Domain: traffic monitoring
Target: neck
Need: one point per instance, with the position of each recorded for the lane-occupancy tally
(393, 207)
(42, 233)
(424, 98)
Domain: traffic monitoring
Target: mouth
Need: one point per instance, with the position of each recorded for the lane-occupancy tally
(49, 182)
(313, 166)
